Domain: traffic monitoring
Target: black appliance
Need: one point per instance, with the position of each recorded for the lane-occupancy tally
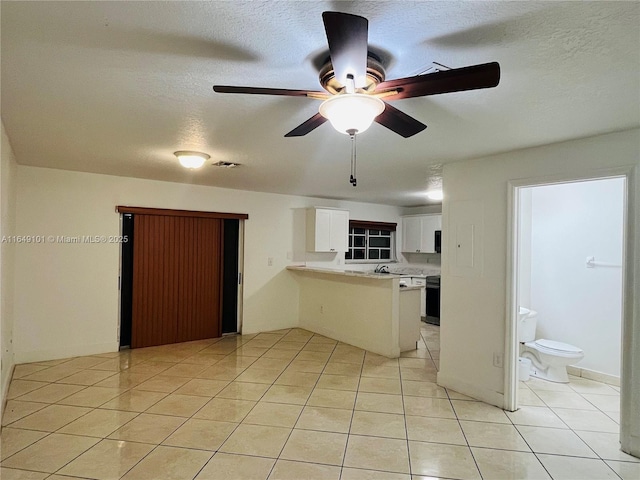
(438, 241)
(433, 299)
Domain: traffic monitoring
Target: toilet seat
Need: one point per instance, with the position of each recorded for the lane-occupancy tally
(552, 347)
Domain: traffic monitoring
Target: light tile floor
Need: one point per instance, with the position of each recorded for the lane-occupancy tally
(294, 405)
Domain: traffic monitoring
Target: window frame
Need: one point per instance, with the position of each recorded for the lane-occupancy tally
(368, 226)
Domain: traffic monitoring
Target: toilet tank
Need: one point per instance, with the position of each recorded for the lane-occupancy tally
(527, 327)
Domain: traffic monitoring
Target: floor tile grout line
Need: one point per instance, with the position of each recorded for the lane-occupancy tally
(569, 456)
(557, 454)
(529, 446)
(573, 430)
(74, 458)
(70, 422)
(353, 411)
(403, 405)
(464, 434)
(305, 404)
(404, 415)
(166, 437)
(177, 362)
(156, 446)
(270, 385)
(466, 439)
(11, 423)
(105, 437)
(27, 446)
(213, 454)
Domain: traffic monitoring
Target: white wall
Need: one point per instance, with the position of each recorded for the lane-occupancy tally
(7, 229)
(66, 294)
(424, 210)
(474, 288)
(575, 304)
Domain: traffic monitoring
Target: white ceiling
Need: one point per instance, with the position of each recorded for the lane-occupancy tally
(117, 87)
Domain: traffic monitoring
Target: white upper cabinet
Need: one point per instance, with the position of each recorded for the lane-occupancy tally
(419, 233)
(327, 230)
(411, 234)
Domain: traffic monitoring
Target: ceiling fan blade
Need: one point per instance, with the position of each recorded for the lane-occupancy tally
(266, 91)
(486, 75)
(347, 37)
(399, 122)
(306, 127)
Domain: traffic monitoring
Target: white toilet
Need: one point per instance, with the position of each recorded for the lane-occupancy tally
(549, 359)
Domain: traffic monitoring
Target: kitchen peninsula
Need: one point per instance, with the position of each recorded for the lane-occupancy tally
(368, 310)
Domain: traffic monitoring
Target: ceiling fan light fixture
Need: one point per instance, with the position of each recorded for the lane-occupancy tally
(190, 159)
(351, 111)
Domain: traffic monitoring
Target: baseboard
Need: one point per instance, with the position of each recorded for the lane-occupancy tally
(65, 352)
(488, 396)
(255, 329)
(5, 391)
(593, 375)
(383, 350)
(632, 443)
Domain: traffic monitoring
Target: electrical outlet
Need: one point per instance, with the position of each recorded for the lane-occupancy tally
(270, 261)
(497, 360)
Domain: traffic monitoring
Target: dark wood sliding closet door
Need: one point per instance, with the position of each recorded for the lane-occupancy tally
(177, 272)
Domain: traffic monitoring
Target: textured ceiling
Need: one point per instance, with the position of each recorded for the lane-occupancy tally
(117, 87)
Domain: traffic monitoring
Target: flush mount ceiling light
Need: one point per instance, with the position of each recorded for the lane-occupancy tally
(351, 113)
(435, 194)
(189, 159)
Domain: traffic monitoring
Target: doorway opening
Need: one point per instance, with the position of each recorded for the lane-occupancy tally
(230, 276)
(566, 309)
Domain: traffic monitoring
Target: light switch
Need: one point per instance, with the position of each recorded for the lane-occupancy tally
(270, 261)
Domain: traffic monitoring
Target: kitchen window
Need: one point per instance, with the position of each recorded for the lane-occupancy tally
(371, 242)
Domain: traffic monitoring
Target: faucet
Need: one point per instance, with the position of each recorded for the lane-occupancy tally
(381, 269)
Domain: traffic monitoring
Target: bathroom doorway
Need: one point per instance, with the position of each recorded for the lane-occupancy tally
(567, 265)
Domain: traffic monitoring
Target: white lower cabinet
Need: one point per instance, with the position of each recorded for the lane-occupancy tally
(409, 328)
(423, 294)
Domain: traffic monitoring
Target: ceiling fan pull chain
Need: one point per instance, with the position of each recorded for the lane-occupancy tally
(352, 179)
(350, 87)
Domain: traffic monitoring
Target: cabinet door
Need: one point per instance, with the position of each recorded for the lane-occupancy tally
(411, 234)
(323, 230)
(430, 223)
(327, 230)
(339, 231)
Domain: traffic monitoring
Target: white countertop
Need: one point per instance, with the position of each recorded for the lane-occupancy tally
(349, 273)
(410, 288)
(360, 273)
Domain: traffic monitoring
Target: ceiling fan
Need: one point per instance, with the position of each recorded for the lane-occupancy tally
(356, 90)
